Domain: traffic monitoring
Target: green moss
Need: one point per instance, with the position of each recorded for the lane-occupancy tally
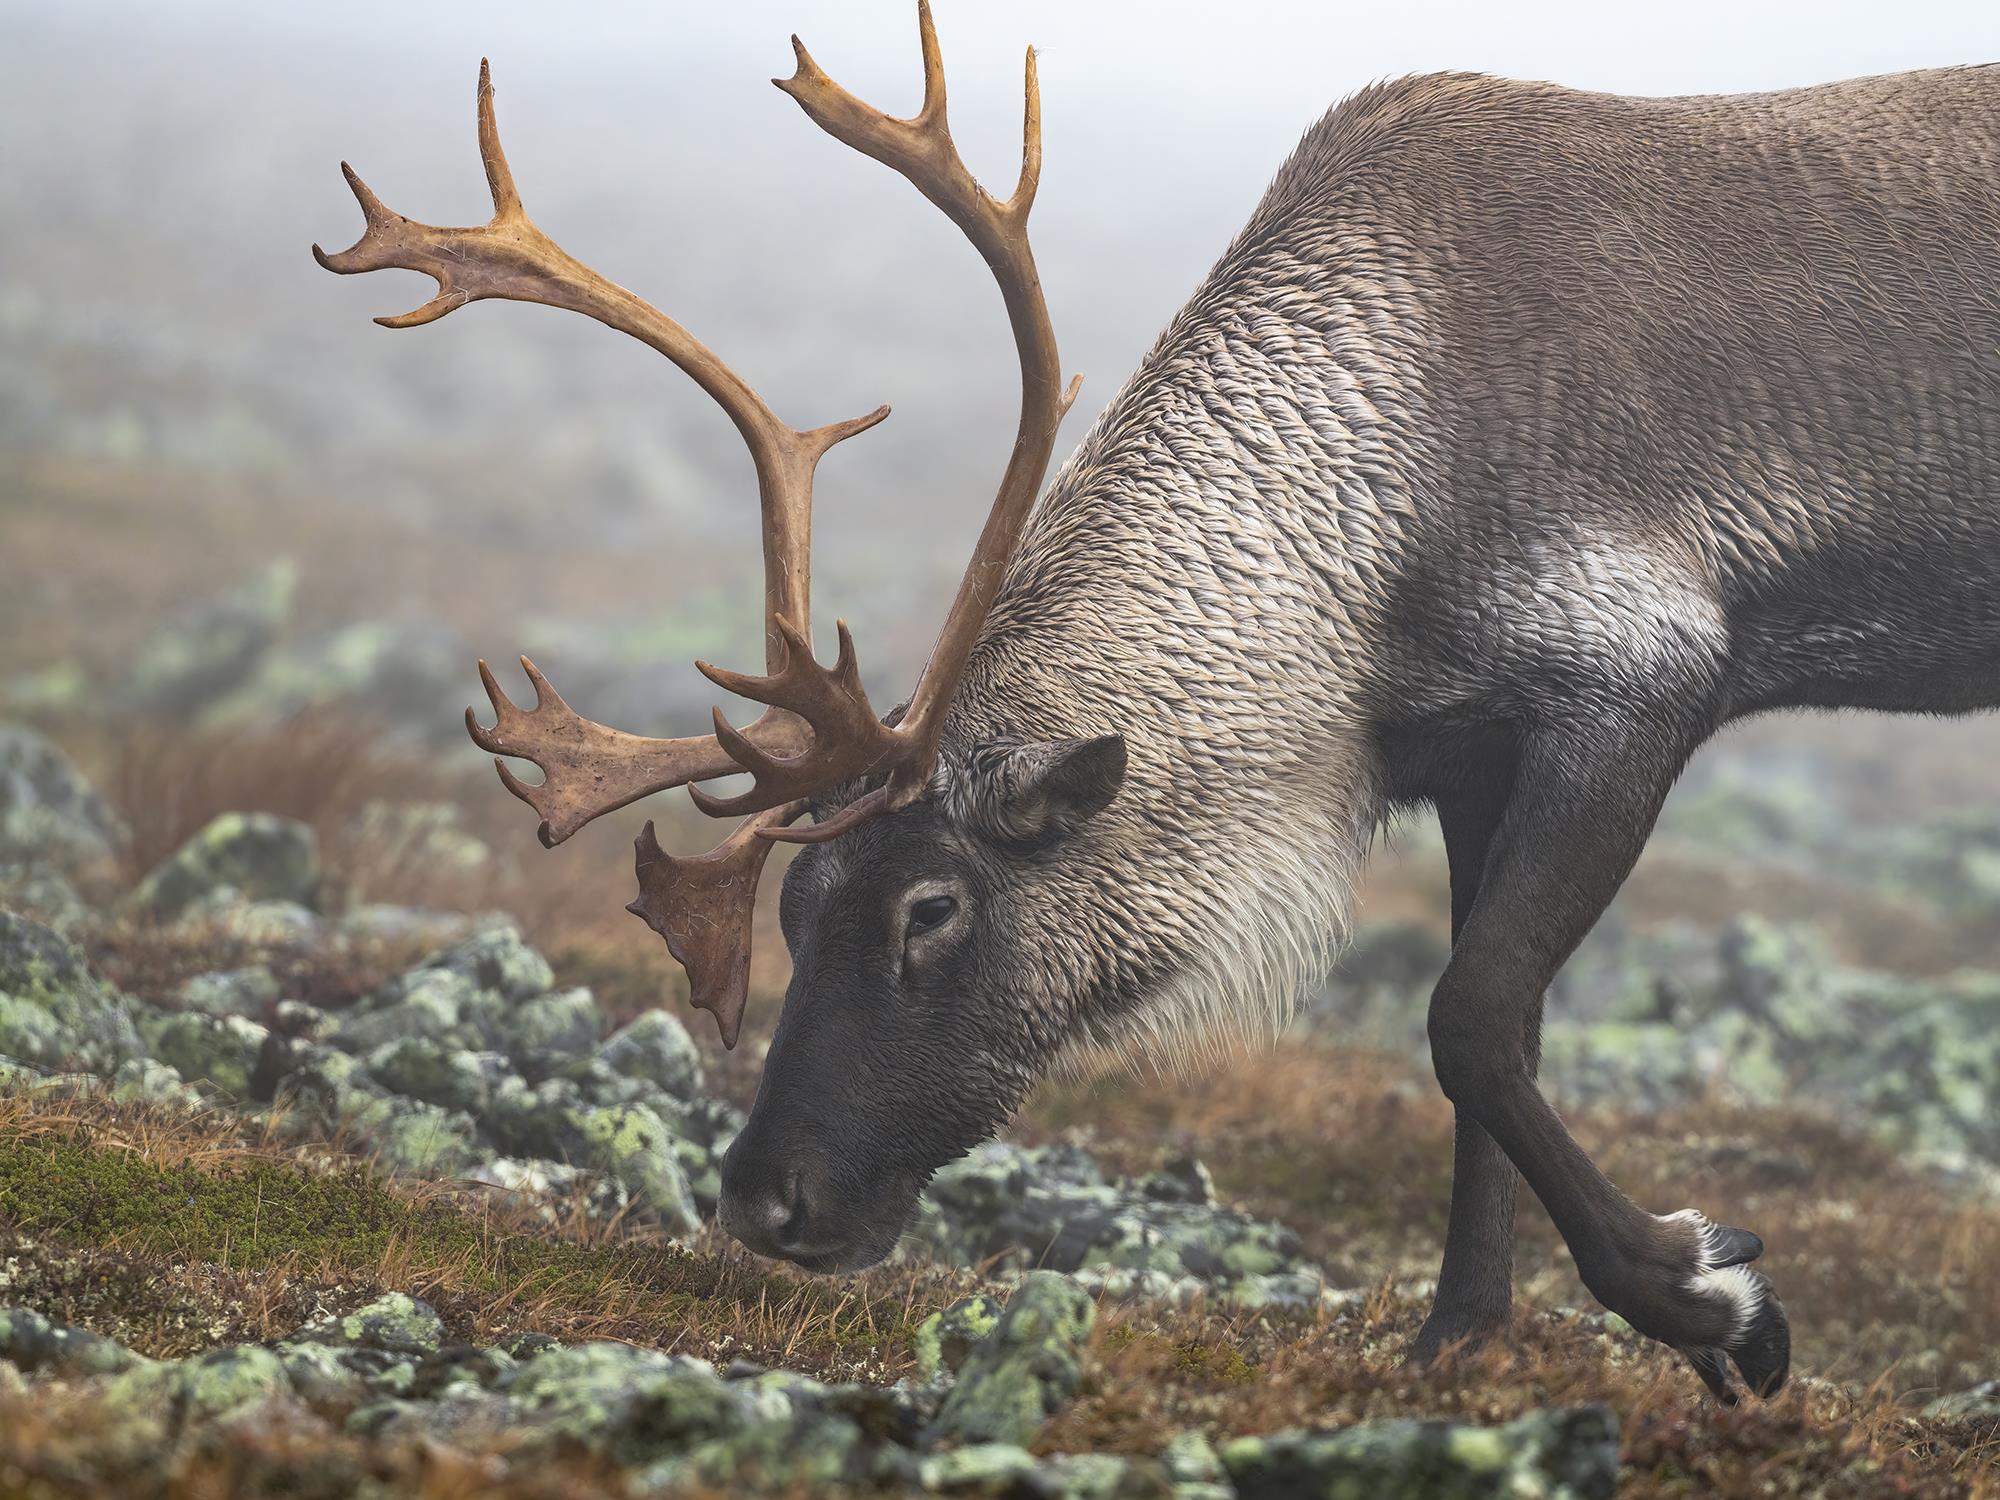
(348, 1223)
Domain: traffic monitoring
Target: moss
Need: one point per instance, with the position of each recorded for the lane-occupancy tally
(350, 1223)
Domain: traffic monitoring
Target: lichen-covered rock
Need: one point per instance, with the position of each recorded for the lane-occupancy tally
(1569, 1454)
(50, 818)
(981, 1469)
(633, 1144)
(947, 1336)
(34, 1345)
(226, 918)
(439, 1073)
(415, 1139)
(374, 923)
(1052, 1207)
(249, 991)
(221, 1051)
(542, 1034)
(497, 959)
(632, 1406)
(425, 1003)
(1026, 1368)
(259, 856)
(656, 1049)
(396, 1324)
(144, 1080)
(53, 1014)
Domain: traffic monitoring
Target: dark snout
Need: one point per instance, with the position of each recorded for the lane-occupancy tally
(785, 1200)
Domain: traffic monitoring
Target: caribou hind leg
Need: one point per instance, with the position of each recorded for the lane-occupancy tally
(1582, 805)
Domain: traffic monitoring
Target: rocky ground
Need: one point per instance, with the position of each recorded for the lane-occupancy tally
(302, 1193)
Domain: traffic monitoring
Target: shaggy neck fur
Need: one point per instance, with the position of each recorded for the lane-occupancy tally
(1204, 577)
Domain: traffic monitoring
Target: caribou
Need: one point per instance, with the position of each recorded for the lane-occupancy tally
(1524, 438)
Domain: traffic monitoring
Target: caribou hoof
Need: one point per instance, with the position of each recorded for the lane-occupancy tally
(1757, 1337)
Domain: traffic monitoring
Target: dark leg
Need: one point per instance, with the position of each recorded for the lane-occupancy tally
(1583, 804)
(1475, 1290)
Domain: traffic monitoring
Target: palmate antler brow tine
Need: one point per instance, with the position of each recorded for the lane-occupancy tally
(722, 884)
(589, 769)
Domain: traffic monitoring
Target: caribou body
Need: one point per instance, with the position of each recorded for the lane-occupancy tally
(1523, 439)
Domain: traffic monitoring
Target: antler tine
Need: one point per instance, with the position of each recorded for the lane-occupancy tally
(590, 769)
(922, 150)
(702, 905)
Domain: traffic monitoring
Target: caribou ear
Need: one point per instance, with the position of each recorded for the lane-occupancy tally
(1034, 794)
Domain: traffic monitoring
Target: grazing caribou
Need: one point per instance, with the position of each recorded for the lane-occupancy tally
(1524, 438)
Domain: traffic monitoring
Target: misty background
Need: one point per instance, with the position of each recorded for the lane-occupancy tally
(194, 416)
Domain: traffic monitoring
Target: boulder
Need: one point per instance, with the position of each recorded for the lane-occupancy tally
(395, 1324)
(1026, 1368)
(250, 991)
(542, 1034)
(54, 1014)
(1052, 1207)
(633, 1144)
(496, 959)
(1564, 1454)
(221, 1051)
(50, 818)
(257, 856)
(34, 1345)
(946, 1337)
(656, 1049)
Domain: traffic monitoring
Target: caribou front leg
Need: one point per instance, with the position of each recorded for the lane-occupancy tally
(1581, 808)
(1475, 1289)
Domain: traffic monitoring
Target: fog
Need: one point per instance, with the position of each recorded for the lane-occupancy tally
(164, 170)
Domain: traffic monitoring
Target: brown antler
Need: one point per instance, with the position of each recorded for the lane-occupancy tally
(818, 729)
(588, 769)
(921, 148)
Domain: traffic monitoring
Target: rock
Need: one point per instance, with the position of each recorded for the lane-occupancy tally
(43, 896)
(1026, 1368)
(145, 1080)
(439, 1073)
(631, 1406)
(981, 1469)
(1980, 1403)
(229, 1379)
(34, 1345)
(53, 1014)
(656, 1049)
(400, 668)
(258, 856)
(542, 1034)
(208, 650)
(423, 1004)
(249, 991)
(219, 1051)
(1181, 1180)
(226, 919)
(633, 1144)
(1052, 1207)
(50, 818)
(496, 959)
(416, 1139)
(396, 1324)
(1566, 1454)
(946, 1337)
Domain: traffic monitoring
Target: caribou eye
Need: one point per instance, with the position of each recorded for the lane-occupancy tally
(932, 911)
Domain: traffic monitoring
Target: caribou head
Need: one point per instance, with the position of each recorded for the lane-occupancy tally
(891, 1057)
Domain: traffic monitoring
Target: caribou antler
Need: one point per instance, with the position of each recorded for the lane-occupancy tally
(588, 769)
(818, 729)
